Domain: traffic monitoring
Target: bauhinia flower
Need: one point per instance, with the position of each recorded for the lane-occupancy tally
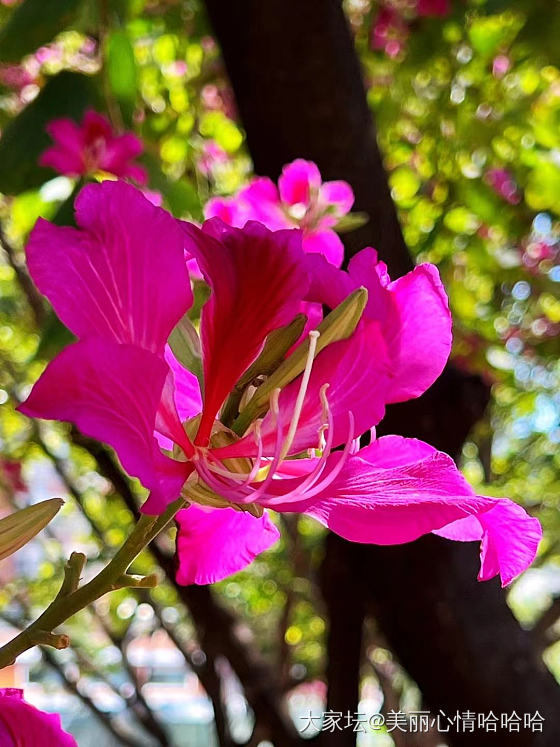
(92, 147)
(23, 725)
(256, 424)
(301, 200)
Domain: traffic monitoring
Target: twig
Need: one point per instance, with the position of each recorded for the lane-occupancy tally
(140, 706)
(218, 629)
(113, 576)
(541, 629)
(50, 659)
(26, 284)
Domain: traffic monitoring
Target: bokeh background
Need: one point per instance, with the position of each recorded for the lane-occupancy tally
(465, 96)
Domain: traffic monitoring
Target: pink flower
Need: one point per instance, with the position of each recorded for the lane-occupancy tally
(10, 474)
(503, 184)
(15, 76)
(301, 200)
(119, 281)
(500, 65)
(389, 31)
(84, 149)
(23, 725)
(211, 156)
(433, 7)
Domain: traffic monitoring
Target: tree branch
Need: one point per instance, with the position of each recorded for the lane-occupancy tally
(32, 295)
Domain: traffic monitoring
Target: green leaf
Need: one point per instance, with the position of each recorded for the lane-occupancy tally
(185, 346)
(351, 222)
(121, 72)
(405, 183)
(461, 220)
(33, 23)
(488, 34)
(55, 336)
(25, 138)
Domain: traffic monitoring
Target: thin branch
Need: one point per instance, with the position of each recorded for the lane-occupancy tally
(32, 295)
(218, 629)
(71, 685)
(206, 673)
(140, 705)
(111, 577)
(541, 629)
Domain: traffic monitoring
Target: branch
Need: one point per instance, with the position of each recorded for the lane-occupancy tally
(541, 629)
(31, 294)
(218, 629)
(140, 706)
(50, 659)
(206, 673)
(110, 578)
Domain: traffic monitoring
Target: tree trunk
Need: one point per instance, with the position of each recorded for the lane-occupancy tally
(300, 93)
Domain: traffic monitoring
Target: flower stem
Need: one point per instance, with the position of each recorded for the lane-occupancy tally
(72, 599)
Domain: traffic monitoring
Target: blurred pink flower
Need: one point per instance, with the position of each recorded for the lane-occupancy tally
(15, 76)
(23, 725)
(10, 473)
(500, 65)
(92, 146)
(433, 7)
(389, 31)
(211, 155)
(119, 282)
(301, 200)
(503, 184)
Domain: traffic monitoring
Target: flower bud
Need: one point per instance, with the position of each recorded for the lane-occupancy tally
(18, 528)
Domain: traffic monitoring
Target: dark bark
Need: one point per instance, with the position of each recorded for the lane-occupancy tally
(300, 93)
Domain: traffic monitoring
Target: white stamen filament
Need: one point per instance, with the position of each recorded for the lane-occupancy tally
(240, 488)
(313, 337)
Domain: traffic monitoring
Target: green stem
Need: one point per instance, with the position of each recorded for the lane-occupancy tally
(72, 599)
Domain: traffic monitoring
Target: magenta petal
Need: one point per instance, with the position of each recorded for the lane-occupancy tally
(396, 451)
(297, 181)
(214, 543)
(67, 154)
(228, 209)
(325, 242)
(180, 401)
(510, 539)
(389, 506)
(415, 317)
(95, 126)
(111, 393)
(397, 489)
(62, 161)
(117, 154)
(261, 202)
(188, 399)
(23, 725)
(433, 7)
(339, 194)
(328, 285)
(257, 279)
(67, 134)
(121, 275)
(418, 331)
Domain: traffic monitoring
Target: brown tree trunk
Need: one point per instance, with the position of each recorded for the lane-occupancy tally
(300, 93)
